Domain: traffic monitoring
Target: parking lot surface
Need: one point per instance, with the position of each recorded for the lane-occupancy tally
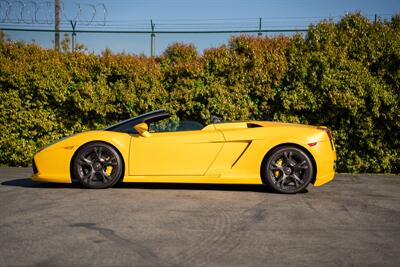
(354, 220)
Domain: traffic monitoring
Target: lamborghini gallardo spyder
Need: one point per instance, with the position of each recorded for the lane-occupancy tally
(155, 147)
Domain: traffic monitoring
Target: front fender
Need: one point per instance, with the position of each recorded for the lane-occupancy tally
(53, 162)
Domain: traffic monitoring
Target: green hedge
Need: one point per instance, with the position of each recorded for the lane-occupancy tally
(344, 75)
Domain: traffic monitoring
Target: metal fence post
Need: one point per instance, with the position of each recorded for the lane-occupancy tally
(57, 21)
(73, 43)
(153, 39)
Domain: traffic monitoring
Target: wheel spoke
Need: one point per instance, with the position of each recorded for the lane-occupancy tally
(297, 180)
(281, 181)
(301, 165)
(98, 152)
(276, 167)
(91, 177)
(110, 162)
(85, 161)
(104, 175)
(288, 157)
(86, 176)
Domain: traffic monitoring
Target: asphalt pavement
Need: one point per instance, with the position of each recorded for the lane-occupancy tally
(352, 221)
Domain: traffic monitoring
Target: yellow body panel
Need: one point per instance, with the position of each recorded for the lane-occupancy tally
(219, 153)
(179, 153)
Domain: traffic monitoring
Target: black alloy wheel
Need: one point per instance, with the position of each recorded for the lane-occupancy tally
(288, 170)
(97, 165)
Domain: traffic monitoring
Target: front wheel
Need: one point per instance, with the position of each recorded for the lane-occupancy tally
(97, 165)
(288, 170)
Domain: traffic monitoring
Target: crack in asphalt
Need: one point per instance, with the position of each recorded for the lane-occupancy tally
(110, 234)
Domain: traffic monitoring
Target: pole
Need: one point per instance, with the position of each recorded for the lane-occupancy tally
(259, 27)
(153, 39)
(73, 43)
(376, 18)
(57, 25)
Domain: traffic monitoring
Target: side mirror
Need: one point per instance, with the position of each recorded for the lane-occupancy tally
(142, 129)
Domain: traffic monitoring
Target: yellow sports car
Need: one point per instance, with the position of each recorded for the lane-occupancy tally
(155, 147)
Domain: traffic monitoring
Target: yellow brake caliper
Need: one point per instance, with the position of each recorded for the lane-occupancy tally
(109, 170)
(279, 162)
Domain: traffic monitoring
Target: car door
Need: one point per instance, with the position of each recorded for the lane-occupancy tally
(174, 153)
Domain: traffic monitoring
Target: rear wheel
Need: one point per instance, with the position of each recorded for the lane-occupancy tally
(97, 165)
(288, 170)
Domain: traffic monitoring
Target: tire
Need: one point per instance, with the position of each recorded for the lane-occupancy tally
(288, 170)
(97, 165)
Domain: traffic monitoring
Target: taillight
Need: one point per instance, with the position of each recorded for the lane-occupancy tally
(329, 133)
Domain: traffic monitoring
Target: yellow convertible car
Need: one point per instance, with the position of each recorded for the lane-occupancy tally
(153, 147)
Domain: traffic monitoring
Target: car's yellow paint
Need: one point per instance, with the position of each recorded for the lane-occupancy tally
(219, 153)
(171, 154)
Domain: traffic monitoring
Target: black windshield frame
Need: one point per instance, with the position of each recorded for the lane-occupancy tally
(126, 126)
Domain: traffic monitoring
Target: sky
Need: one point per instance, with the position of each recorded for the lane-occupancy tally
(176, 15)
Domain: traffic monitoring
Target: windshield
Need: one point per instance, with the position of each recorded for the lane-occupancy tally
(173, 124)
(158, 121)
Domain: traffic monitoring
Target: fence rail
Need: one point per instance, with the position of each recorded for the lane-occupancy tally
(157, 31)
(151, 33)
(136, 29)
